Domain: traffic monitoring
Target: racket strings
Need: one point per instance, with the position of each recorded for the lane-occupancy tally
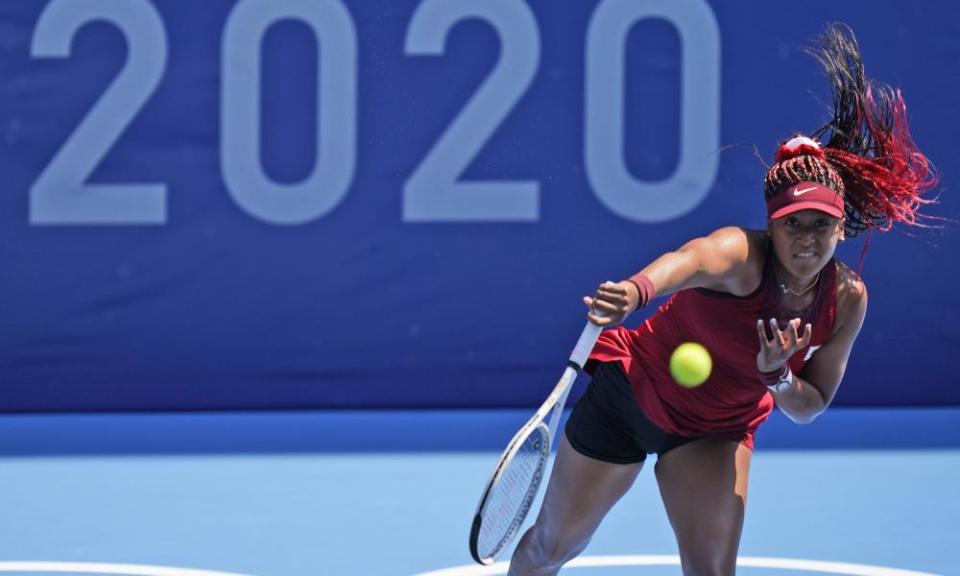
(513, 495)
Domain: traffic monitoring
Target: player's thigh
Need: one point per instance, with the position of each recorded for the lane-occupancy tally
(580, 492)
(704, 489)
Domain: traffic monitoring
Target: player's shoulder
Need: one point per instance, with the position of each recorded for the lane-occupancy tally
(737, 241)
(732, 234)
(849, 282)
(851, 292)
(744, 245)
(735, 257)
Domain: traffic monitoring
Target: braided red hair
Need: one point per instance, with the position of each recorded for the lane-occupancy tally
(884, 174)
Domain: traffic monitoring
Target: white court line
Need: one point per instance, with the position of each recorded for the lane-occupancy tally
(107, 569)
(815, 566)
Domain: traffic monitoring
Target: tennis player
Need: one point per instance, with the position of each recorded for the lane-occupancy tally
(777, 312)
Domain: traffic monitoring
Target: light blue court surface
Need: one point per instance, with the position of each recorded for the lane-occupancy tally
(298, 494)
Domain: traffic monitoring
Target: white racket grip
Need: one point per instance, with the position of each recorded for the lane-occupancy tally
(585, 344)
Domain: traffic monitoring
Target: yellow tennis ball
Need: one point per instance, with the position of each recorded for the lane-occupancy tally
(690, 364)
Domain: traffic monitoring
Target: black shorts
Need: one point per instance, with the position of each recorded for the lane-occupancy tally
(607, 423)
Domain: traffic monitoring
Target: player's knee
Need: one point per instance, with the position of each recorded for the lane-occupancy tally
(548, 551)
(709, 564)
(553, 550)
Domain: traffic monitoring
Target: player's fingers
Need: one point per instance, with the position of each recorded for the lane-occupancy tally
(604, 288)
(601, 318)
(608, 292)
(762, 334)
(610, 287)
(793, 336)
(612, 294)
(591, 315)
(807, 333)
(775, 330)
(604, 306)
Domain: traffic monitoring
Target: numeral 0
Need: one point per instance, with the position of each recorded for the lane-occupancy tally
(699, 118)
(333, 171)
(434, 191)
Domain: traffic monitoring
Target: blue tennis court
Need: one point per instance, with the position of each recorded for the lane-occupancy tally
(868, 492)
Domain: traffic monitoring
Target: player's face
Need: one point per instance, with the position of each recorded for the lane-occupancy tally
(805, 241)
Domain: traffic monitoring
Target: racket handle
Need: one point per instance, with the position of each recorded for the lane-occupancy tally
(585, 345)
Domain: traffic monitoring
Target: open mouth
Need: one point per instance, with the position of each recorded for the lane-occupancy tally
(809, 254)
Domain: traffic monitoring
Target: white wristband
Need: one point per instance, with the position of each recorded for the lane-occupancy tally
(783, 383)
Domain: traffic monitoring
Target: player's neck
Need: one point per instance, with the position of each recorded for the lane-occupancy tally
(793, 286)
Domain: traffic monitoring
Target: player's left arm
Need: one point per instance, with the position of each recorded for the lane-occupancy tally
(813, 390)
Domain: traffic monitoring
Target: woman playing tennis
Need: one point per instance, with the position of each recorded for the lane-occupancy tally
(777, 312)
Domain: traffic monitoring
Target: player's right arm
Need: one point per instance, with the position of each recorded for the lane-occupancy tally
(729, 260)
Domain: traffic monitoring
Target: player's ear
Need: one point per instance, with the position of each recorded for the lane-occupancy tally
(842, 235)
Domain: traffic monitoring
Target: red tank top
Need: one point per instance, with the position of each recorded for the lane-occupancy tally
(733, 401)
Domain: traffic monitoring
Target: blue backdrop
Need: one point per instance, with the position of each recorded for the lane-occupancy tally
(392, 203)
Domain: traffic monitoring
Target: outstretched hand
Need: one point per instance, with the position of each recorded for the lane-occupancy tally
(612, 302)
(776, 351)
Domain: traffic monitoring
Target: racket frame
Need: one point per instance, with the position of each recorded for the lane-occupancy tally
(555, 402)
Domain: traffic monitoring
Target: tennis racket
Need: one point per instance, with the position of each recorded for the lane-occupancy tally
(510, 492)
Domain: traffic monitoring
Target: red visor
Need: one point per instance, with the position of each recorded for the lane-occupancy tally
(805, 196)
